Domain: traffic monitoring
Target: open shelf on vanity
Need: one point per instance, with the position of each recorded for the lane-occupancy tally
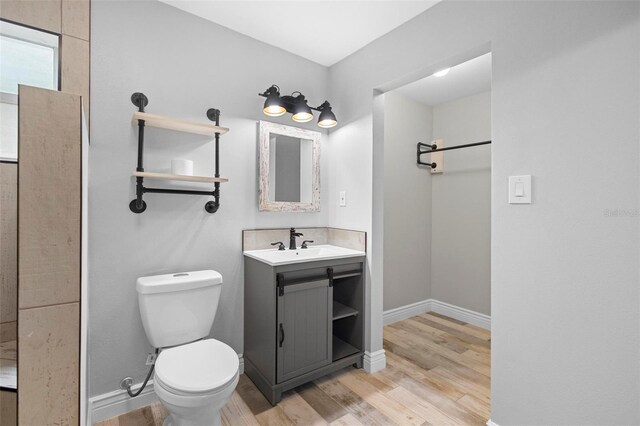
(347, 323)
(342, 311)
(342, 349)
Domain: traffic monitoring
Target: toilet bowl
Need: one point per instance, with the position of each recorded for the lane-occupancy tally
(194, 381)
(194, 376)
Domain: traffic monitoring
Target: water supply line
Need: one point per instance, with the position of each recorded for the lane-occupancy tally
(128, 381)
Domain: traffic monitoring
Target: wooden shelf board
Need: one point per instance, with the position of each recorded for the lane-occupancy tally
(342, 349)
(169, 176)
(177, 124)
(342, 311)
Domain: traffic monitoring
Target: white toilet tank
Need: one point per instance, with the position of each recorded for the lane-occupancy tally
(178, 308)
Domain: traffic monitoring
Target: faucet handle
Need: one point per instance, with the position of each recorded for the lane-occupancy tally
(279, 244)
(304, 244)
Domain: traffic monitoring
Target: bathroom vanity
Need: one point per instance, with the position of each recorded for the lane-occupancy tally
(303, 315)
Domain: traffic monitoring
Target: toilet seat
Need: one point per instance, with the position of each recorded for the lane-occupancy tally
(204, 367)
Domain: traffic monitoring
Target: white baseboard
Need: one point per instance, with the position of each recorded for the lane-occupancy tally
(115, 403)
(461, 314)
(432, 305)
(491, 423)
(374, 361)
(407, 311)
(241, 359)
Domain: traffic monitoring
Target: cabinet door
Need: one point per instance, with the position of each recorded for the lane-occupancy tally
(304, 328)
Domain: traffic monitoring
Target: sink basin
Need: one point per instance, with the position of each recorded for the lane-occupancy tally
(275, 257)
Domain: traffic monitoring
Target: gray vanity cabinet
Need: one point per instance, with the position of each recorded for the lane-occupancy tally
(304, 328)
(301, 321)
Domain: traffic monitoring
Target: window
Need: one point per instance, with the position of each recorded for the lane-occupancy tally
(27, 56)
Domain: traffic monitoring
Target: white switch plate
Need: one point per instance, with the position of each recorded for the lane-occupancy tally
(520, 189)
(343, 198)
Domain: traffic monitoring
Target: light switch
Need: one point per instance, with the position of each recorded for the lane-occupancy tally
(343, 198)
(520, 189)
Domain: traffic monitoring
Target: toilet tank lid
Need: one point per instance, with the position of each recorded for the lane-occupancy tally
(178, 281)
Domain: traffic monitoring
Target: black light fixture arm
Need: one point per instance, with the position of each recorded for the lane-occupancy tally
(323, 106)
(288, 100)
(274, 89)
(138, 205)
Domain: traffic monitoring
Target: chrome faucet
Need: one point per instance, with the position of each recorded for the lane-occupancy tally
(292, 238)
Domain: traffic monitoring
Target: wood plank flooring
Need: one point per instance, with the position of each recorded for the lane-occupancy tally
(438, 373)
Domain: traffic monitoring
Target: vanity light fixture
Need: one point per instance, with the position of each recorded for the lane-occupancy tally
(273, 106)
(442, 73)
(296, 104)
(301, 111)
(327, 118)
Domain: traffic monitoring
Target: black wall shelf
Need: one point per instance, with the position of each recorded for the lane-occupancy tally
(142, 118)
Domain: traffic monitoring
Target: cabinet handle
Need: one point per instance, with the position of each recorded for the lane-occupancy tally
(281, 334)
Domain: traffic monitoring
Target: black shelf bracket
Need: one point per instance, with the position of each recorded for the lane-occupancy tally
(434, 148)
(213, 206)
(138, 205)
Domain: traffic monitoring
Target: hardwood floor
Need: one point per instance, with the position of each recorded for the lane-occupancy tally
(438, 373)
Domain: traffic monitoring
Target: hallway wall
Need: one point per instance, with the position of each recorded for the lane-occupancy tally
(407, 203)
(461, 206)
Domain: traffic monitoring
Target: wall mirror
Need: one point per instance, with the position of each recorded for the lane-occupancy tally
(289, 168)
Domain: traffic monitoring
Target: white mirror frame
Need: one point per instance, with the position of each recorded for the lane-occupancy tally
(265, 204)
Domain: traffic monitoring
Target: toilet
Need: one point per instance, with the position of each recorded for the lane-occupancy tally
(194, 376)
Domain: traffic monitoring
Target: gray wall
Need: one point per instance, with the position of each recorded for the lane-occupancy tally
(565, 274)
(461, 206)
(407, 202)
(185, 65)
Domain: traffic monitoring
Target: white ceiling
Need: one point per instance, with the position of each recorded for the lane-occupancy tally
(466, 79)
(322, 31)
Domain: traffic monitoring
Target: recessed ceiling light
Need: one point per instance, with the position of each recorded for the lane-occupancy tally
(442, 73)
